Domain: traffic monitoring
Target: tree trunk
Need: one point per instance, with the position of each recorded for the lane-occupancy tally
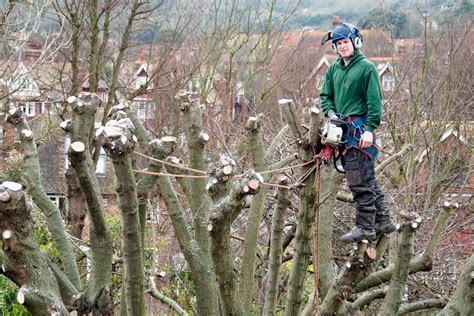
(460, 302)
(33, 180)
(100, 238)
(276, 248)
(22, 260)
(259, 158)
(76, 205)
(119, 147)
(393, 298)
(329, 190)
(306, 211)
(342, 286)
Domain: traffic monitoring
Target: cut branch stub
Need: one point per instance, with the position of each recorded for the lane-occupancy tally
(15, 115)
(289, 111)
(175, 160)
(77, 147)
(10, 191)
(203, 137)
(26, 134)
(66, 125)
(283, 180)
(116, 137)
(220, 173)
(122, 106)
(85, 101)
(161, 148)
(223, 169)
(12, 186)
(186, 99)
(7, 234)
(20, 297)
(185, 96)
(314, 129)
(251, 183)
(254, 122)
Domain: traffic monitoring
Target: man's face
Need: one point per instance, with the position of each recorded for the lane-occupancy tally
(345, 48)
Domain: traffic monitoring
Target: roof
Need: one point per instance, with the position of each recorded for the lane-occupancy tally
(462, 132)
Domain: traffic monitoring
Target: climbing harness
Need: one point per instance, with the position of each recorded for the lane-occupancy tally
(351, 129)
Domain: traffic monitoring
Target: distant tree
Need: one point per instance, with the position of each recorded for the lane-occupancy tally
(401, 24)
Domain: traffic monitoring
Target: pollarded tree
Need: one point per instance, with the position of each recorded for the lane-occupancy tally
(207, 196)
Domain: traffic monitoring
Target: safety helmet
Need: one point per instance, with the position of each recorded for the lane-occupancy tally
(344, 30)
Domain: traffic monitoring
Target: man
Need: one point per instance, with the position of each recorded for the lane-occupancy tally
(351, 91)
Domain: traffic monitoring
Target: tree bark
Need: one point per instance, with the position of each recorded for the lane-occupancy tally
(306, 213)
(342, 286)
(77, 205)
(118, 141)
(276, 248)
(259, 158)
(200, 202)
(22, 260)
(409, 308)
(33, 181)
(226, 208)
(393, 298)
(100, 238)
(326, 218)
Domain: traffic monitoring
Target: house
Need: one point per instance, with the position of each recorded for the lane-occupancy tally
(39, 91)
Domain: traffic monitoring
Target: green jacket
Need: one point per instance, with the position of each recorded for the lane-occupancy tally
(353, 90)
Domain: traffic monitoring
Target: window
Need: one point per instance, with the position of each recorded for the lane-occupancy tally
(144, 109)
(388, 82)
(25, 83)
(141, 80)
(28, 108)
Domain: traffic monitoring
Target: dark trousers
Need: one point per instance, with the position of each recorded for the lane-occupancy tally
(371, 207)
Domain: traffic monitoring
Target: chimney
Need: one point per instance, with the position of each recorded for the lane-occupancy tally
(141, 58)
(336, 20)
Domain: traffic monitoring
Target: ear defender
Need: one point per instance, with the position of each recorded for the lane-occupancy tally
(358, 39)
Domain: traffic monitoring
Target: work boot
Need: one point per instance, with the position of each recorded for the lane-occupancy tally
(357, 234)
(385, 228)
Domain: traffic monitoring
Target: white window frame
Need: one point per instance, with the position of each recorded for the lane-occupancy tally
(388, 82)
(29, 109)
(145, 109)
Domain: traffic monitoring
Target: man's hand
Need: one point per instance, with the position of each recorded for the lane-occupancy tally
(366, 140)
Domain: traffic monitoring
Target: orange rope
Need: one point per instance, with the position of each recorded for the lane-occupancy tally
(277, 185)
(171, 164)
(170, 174)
